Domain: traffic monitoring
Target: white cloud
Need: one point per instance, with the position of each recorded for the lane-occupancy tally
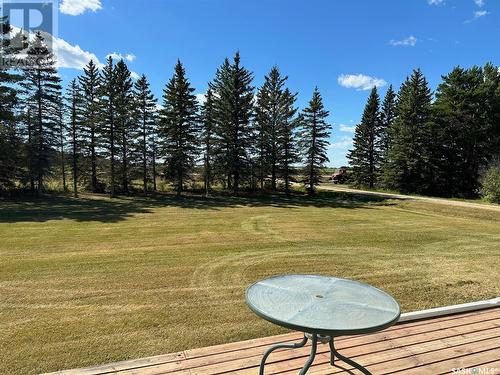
(476, 15)
(435, 2)
(410, 41)
(360, 81)
(118, 56)
(479, 3)
(201, 98)
(347, 128)
(77, 7)
(72, 56)
(343, 142)
(480, 13)
(67, 55)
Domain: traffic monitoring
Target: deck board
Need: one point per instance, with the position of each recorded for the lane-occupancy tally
(431, 346)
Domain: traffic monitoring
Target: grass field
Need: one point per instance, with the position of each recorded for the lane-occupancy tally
(92, 280)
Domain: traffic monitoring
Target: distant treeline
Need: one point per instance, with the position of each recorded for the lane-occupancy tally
(106, 131)
(439, 144)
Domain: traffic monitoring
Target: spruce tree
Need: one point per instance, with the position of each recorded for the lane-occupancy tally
(207, 137)
(10, 140)
(154, 153)
(220, 165)
(61, 125)
(490, 91)
(28, 120)
(364, 157)
(408, 167)
(464, 133)
(178, 126)
(43, 88)
(261, 133)
(74, 104)
(145, 106)
(271, 111)
(125, 124)
(288, 153)
(233, 103)
(90, 82)
(314, 140)
(387, 115)
(107, 93)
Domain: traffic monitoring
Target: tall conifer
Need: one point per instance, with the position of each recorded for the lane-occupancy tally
(463, 141)
(43, 88)
(387, 115)
(125, 124)
(74, 103)
(90, 82)
(10, 139)
(233, 103)
(107, 109)
(178, 128)
(61, 125)
(288, 153)
(271, 112)
(145, 106)
(364, 157)
(408, 166)
(314, 140)
(208, 138)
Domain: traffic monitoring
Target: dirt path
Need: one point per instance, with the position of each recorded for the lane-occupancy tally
(449, 202)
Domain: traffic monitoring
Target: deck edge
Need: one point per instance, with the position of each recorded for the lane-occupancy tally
(449, 310)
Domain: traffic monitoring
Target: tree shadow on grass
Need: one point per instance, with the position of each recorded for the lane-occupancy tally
(103, 209)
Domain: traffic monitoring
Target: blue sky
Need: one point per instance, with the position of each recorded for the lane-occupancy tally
(342, 46)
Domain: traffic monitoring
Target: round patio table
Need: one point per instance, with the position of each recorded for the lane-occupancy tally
(323, 308)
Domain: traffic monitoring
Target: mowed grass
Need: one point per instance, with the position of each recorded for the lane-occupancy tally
(95, 280)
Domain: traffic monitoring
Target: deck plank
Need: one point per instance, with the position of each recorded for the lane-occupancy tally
(433, 346)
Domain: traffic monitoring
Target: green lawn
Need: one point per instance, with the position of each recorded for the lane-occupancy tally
(89, 281)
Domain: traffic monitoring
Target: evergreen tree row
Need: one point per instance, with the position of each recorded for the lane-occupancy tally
(440, 144)
(106, 132)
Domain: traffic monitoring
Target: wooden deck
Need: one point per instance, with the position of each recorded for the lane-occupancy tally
(431, 346)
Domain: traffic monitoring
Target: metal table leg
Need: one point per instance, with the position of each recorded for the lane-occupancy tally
(309, 362)
(314, 345)
(280, 346)
(334, 353)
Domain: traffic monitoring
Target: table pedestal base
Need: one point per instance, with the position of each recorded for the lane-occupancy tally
(314, 345)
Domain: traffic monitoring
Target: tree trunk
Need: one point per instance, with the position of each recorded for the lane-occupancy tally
(124, 161)
(40, 136)
(236, 182)
(179, 183)
(273, 177)
(93, 161)
(112, 146)
(144, 156)
(75, 172)
(154, 164)
(207, 174)
(30, 152)
(261, 172)
(286, 171)
(74, 145)
(63, 171)
(311, 165)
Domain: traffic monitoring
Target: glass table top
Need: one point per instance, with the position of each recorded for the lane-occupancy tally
(322, 305)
